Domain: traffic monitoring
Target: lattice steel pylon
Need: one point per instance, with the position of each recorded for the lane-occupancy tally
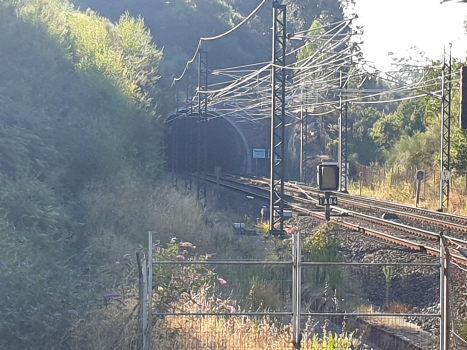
(303, 135)
(175, 142)
(202, 120)
(445, 166)
(188, 133)
(343, 146)
(276, 195)
(342, 153)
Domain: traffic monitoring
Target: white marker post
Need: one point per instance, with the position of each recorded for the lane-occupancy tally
(258, 153)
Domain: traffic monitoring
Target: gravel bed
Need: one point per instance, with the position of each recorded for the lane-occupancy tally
(417, 287)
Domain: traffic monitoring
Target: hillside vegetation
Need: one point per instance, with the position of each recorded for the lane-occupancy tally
(77, 123)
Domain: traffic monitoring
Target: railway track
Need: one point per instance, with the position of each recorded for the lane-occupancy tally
(421, 229)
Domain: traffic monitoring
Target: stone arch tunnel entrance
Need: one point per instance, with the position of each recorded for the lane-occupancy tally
(226, 145)
(230, 144)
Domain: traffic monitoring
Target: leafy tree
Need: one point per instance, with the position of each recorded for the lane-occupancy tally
(316, 29)
(418, 151)
(177, 26)
(303, 13)
(361, 121)
(408, 119)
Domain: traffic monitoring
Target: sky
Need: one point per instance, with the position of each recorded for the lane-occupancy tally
(397, 25)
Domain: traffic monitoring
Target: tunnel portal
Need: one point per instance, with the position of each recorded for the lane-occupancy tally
(226, 146)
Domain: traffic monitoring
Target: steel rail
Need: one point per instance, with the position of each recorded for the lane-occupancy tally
(442, 216)
(235, 184)
(456, 226)
(355, 201)
(286, 313)
(365, 202)
(391, 224)
(434, 251)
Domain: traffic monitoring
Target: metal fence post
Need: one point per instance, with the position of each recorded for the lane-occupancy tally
(444, 334)
(296, 288)
(144, 265)
(140, 300)
(149, 292)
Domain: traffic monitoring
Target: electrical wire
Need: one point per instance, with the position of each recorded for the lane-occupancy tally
(217, 37)
(248, 90)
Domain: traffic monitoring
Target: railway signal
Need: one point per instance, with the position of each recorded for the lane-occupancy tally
(328, 180)
(328, 177)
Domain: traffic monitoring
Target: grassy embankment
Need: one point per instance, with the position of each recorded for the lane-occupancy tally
(387, 186)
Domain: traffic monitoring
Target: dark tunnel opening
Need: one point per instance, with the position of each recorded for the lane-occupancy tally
(225, 146)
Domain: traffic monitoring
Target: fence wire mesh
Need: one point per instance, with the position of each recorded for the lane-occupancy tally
(343, 306)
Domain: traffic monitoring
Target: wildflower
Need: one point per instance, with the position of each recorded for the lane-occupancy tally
(57, 314)
(3, 265)
(230, 308)
(221, 280)
(126, 256)
(219, 301)
(113, 296)
(51, 294)
(290, 229)
(73, 312)
(51, 329)
(117, 263)
(180, 257)
(187, 244)
(173, 240)
(160, 289)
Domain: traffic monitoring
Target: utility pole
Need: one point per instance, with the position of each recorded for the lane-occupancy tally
(276, 195)
(445, 166)
(202, 120)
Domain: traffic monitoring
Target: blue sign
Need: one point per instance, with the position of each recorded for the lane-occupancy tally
(259, 153)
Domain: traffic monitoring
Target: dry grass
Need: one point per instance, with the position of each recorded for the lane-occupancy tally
(233, 332)
(241, 332)
(215, 332)
(121, 216)
(114, 327)
(395, 307)
(403, 192)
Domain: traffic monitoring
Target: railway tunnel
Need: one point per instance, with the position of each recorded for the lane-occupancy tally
(226, 144)
(230, 143)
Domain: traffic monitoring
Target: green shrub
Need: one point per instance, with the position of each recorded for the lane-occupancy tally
(463, 331)
(320, 247)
